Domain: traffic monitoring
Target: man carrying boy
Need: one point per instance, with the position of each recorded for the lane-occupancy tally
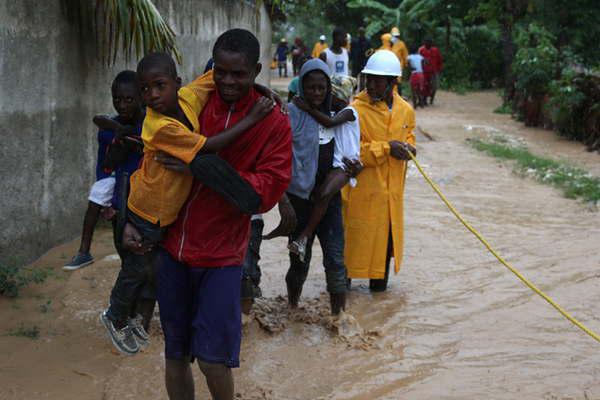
(199, 269)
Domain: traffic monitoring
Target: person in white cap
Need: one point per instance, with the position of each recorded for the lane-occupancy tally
(373, 215)
(319, 47)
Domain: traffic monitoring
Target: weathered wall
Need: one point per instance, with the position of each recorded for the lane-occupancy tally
(50, 87)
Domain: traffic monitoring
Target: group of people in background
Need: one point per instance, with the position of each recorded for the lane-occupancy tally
(186, 172)
(423, 64)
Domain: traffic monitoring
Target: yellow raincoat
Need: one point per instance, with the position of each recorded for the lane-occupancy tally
(318, 49)
(399, 48)
(374, 206)
(386, 42)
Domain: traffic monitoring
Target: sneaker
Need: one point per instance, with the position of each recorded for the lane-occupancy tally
(79, 261)
(139, 332)
(123, 339)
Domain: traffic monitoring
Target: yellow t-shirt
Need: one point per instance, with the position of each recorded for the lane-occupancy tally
(157, 194)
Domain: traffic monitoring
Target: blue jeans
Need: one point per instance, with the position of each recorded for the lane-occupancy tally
(331, 236)
(250, 269)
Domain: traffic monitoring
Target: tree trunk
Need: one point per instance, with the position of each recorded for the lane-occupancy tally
(508, 53)
(448, 30)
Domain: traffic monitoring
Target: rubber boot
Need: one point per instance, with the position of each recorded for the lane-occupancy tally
(294, 293)
(380, 285)
(338, 302)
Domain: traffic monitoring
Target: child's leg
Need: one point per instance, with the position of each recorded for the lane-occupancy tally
(89, 223)
(336, 179)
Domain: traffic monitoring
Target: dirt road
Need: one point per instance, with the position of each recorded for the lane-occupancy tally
(454, 324)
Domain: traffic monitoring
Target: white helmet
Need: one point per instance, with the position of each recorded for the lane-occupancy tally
(322, 37)
(383, 62)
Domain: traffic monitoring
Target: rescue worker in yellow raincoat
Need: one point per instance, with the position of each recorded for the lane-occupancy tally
(373, 215)
(399, 48)
(319, 47)
(386, 42)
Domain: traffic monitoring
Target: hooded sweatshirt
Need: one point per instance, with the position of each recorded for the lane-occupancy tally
(305, 136)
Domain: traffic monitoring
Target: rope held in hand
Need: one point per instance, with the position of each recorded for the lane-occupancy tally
(529, 284)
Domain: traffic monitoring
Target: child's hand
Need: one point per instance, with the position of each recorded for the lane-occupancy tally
(133, 241)
(352, 167)
(172, 163)
(301, 104)
(261, 109)
(272, 95)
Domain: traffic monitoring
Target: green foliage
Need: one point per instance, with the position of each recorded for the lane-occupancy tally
(13, 278)
(574, 182)
(536, 61)
(575, 105)
(22, 331)
(503, 109)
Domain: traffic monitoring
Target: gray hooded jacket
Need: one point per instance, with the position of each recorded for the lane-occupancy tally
(305, 137)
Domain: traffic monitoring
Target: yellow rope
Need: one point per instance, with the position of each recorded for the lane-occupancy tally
(506, 264)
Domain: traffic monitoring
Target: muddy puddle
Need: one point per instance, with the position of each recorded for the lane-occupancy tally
(454, 324)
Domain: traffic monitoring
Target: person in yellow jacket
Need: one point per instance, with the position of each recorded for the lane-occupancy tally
(319, 47)
(399, 47)
(373, 209)
(386, 42)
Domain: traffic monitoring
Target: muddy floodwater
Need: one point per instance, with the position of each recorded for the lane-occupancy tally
(454, 324)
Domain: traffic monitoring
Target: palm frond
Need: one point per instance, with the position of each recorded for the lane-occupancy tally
(129, 27)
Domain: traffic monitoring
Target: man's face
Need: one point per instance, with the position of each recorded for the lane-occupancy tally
(233, 75)
(159, 90)
(127, 101)
(314, 86)
(377, 86)
(428, 44)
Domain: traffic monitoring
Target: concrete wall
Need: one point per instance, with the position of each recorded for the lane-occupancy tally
(50, 87)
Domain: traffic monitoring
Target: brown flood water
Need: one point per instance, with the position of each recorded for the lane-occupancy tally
(454, 324)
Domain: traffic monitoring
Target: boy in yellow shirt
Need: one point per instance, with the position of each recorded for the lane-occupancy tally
(157, 194)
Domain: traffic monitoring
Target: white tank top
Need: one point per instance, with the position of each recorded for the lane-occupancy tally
(337, 63)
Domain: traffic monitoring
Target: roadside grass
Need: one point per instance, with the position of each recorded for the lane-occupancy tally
(503, 109)
(13, 278)
(27, 332)
(574, 182)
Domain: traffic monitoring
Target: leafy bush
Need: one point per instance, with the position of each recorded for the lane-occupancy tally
(575, 105)
(13, 278)
(536, 62)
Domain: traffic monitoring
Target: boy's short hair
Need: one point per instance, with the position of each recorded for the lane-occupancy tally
(239, 41)
(159, 60)
(124, 77)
